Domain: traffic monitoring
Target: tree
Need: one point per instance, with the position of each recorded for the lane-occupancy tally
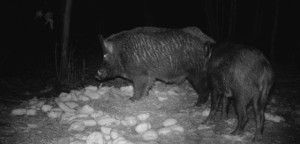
(65, 40)
(232, 21)
(274, 32)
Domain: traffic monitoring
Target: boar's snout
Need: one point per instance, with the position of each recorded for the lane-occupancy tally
(102, 73)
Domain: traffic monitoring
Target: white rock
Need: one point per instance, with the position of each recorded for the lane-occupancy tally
(31, 112)
(33, 101)
(274, 118)
(77, 126)
(96, 114)
(95, 138)
(92, 88)
(150, 135)
(127, 88)
(63, 106)
(31, 126)
(72, 105)
(20, 111)
(54, 114)
(177, 128)
(64, 97)
(89, 123)
(78, 116)
(162, 98)
(57, 109)
(169, 122)
(129, 121)
(106, 137)
(205, 112)
(124, 123)
(119, 140)
(40, 104)
(105, 130)
(172, 92)
(77, 92)
(86, 109)
(92, 94)
(233, 137)
(164, 131)
(77, 142)
(46, 108)
(143, 116)
(114, 134)
(109, 142)
(108, 121)
(80, 136)
(142, 127)
(83, 98)
(203, 127)
(66, 116)
(74, 97)
(103, 90)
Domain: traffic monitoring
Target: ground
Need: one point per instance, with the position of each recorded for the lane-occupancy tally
(284, 102)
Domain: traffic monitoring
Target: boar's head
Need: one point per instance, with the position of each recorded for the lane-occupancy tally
(111, 66)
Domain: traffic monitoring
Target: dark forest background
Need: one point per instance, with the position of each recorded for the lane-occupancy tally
(32, 45)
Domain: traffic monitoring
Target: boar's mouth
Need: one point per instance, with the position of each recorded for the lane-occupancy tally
(101, 74)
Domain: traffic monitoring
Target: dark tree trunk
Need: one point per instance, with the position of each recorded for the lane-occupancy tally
(65, 40)
(231, 29)
(274, 32)
(257, 21)
(211, 22)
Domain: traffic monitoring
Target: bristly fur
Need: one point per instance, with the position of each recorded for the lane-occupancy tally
(147, 53)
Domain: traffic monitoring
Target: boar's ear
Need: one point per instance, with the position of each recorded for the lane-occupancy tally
(208, 50)
(107, 46)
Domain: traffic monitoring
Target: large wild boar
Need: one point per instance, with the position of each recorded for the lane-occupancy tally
(146, 54)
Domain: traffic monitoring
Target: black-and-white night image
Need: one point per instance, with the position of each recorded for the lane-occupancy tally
(150, 72)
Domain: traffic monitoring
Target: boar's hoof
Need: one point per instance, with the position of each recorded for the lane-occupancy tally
(134, 99)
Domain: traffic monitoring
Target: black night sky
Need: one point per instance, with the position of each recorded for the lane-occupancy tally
(31, 43)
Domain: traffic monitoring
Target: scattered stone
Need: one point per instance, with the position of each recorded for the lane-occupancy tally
(274, 118)
(150, 135)
(95, 138)
(31, 112)
(169, 122)
(83, 98)
(54, 114)
(20, 111)
(108, 121)
(142, 127)
(105, 130)
(72, 105)
(89, 122)
(143, 116)
(77, 126)
(46, 108)
(86, 109)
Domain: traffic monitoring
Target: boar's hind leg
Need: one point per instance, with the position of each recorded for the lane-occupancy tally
(259, 104)
(241, 110)
(141, 87)
(215, 100)
(225, 106)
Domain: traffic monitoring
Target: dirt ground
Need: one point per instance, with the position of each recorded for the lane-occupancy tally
(179, 104)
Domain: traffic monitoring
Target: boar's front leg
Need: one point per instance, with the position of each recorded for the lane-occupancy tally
(141, 85)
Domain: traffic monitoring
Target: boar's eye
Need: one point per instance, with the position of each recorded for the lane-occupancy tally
(106, 57)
